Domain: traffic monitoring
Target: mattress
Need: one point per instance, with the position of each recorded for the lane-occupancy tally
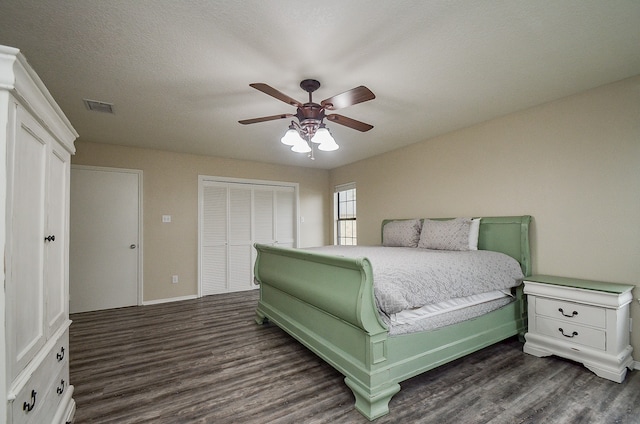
(449, 312)
(406, 278)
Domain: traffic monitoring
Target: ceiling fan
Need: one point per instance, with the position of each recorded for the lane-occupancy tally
(310, 128)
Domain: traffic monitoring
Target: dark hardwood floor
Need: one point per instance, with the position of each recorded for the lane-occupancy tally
(207, 361)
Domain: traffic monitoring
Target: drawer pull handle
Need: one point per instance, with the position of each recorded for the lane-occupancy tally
(28, 406)
(60, 388)
(575, 333)
(60, 356)
(573, 314)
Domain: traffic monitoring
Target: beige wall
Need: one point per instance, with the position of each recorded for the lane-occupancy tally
(170, 187)
(573, 164)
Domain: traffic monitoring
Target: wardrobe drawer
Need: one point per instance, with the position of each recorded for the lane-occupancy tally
(29, 401)
(571, 333)
(571, 312)
(34, 394)
(54, 394)
(46, 401)
(59, 354)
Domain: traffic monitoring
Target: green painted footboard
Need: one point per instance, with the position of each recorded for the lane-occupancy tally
(327, 303)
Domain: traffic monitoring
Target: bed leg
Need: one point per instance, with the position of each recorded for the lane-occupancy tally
(261, 318)
(372, 404)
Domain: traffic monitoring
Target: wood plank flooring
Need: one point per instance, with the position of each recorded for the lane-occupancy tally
(207, 361)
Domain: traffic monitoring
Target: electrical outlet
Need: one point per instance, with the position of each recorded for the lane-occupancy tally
(174, 279)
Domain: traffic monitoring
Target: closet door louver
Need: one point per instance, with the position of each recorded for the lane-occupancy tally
(240, 246)
(214, 239)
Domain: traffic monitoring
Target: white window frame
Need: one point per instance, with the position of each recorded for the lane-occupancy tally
(337, 189)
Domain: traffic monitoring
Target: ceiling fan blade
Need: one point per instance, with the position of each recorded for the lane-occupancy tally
(266, 118)
(348, 98)
(349, 122)
(267, 89)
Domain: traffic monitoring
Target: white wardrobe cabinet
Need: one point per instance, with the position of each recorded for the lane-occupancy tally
(37, 143)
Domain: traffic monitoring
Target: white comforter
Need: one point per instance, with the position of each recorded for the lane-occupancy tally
(407, 278)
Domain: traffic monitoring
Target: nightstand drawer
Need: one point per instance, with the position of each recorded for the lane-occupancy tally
(571, 312)
(571, 333)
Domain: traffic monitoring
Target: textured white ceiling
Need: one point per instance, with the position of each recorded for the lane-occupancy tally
(178, 72)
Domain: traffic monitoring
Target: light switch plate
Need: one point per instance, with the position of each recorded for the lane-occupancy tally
(166, 218)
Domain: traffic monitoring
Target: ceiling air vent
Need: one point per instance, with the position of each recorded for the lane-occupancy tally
(97, 106)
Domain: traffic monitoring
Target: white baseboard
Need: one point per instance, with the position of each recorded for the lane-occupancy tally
(173, 299)
(636, 365)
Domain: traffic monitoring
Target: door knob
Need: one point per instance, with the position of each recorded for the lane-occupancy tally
(133, 246)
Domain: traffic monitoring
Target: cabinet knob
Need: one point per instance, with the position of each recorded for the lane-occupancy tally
(50, 238)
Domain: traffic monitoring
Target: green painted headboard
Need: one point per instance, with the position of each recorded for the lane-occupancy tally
(506, 234)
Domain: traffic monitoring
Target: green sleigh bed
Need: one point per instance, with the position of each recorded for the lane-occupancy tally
(327, 303)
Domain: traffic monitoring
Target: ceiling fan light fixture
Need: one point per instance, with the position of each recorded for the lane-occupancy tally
(329, 146)
(322, 135)
(301, 147)
(324, 139)
(291, 137)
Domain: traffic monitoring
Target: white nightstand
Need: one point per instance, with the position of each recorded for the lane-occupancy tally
(585, 321)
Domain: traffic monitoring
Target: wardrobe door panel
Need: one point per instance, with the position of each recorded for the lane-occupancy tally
(56, 246)
(25, 311)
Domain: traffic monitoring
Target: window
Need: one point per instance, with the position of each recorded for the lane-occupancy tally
(345, 207)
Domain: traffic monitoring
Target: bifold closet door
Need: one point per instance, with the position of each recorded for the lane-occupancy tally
(214, 239)
(264, 215)
(227, 241)
(234, 216)
(275, 215)
(239, 239)
(285, 217)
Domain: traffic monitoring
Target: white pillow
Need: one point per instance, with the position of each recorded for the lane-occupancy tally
(474, 231)
(405, 233)
(452, 234)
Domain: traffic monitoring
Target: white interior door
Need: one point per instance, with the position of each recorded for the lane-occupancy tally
(105, 252)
